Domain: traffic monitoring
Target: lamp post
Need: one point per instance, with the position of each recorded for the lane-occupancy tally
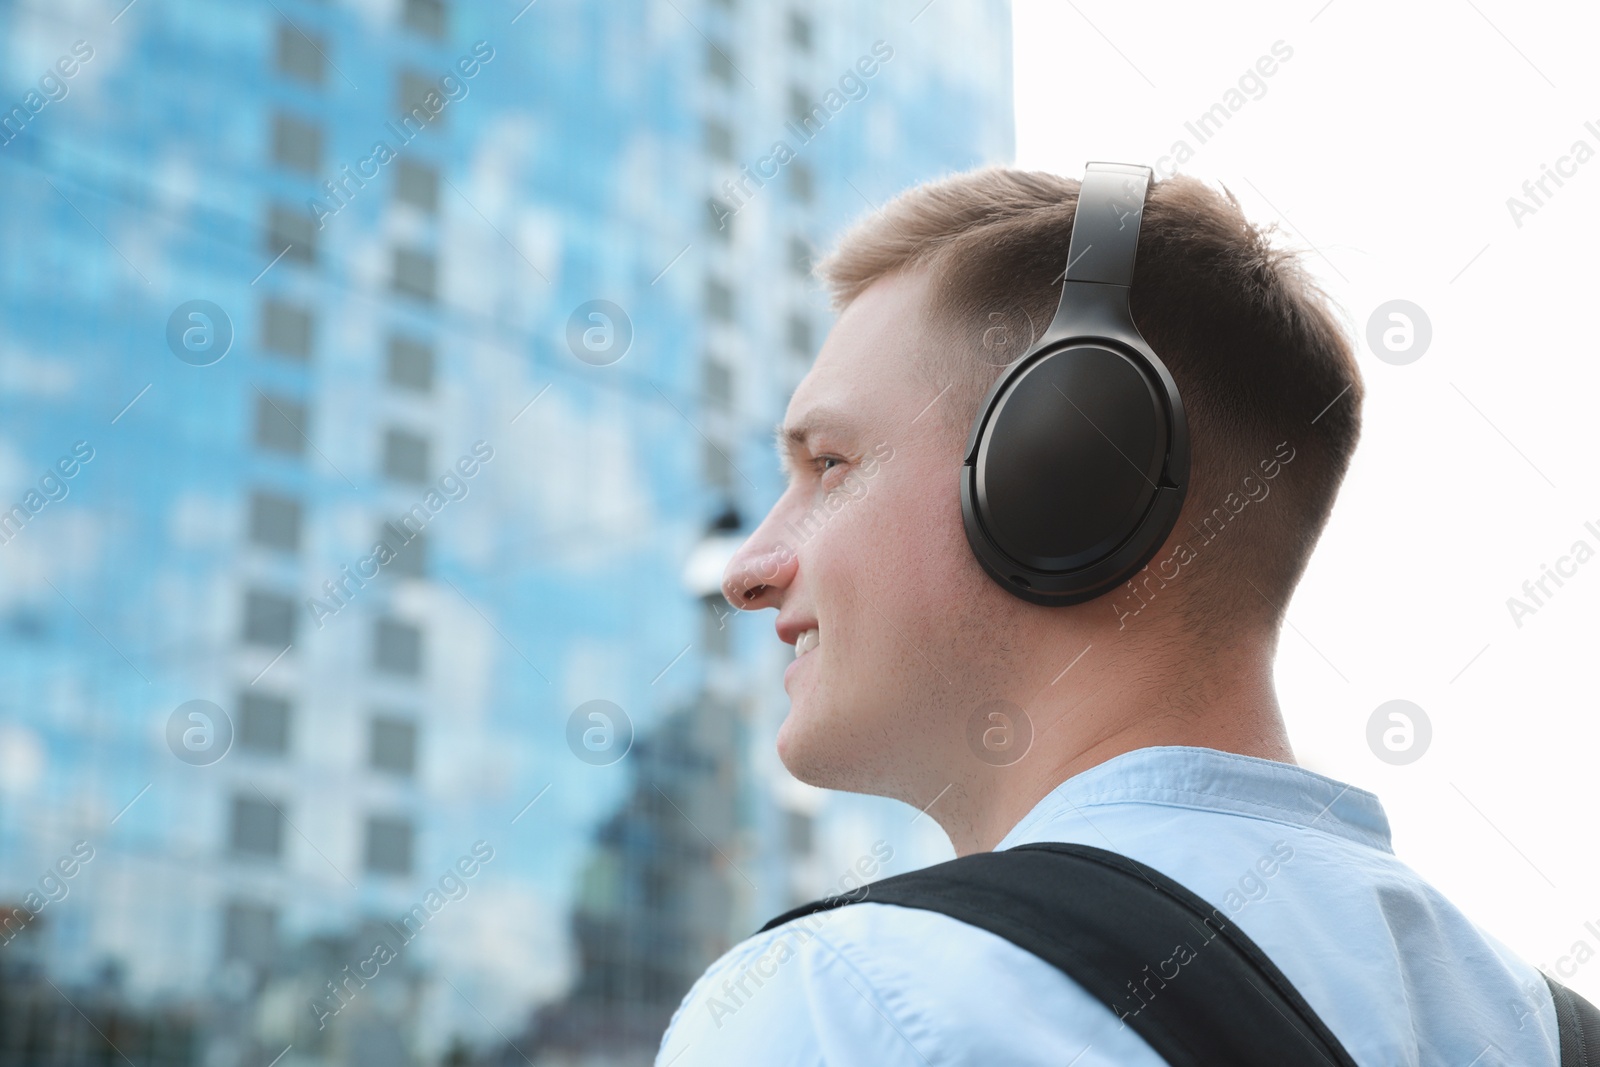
(702, 571)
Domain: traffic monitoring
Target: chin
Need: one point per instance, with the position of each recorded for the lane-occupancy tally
(821, 752)
(798, 757)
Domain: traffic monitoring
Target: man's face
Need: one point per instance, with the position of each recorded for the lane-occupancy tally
(866, 547)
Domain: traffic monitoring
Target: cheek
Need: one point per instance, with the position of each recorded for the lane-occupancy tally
(880, 538)
(927, 550)
(897, 553)
(903, 558)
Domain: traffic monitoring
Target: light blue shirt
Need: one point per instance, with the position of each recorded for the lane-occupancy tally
(1301, 861)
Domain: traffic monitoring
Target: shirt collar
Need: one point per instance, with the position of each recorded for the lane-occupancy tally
(1207, 779)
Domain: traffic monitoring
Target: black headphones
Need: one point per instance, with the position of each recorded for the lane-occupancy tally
(1078, 460)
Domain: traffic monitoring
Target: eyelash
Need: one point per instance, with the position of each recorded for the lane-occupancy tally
(816, 464)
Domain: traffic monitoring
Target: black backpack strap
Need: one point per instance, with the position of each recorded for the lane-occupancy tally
(1170, 965)
(1579, 1024)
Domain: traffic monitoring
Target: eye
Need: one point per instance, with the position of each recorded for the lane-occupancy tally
(820, 460)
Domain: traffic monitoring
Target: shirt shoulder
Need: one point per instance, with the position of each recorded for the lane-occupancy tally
(884, 985)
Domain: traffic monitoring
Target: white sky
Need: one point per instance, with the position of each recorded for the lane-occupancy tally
(1392, 138)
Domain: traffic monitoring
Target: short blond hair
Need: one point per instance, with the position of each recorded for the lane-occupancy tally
(1250, 338)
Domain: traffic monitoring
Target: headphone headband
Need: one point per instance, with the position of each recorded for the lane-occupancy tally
(1105, 228)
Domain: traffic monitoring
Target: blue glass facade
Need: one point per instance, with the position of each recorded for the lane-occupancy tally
(402, 353)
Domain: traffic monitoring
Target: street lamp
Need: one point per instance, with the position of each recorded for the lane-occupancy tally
(703, 570)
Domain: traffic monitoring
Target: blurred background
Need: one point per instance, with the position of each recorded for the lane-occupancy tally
(384, 384)
(518, 292)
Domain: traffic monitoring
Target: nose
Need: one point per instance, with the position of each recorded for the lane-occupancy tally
(759, 572)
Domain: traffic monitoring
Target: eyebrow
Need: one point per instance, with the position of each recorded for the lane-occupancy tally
(788, 440)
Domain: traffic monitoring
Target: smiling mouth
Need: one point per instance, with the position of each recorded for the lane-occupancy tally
(808, 640)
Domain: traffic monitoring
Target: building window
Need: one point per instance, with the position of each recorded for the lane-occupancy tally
(410, 557)
(718, 140)
(291, 232)
(714, 631)
(249, 932)
(268, 619)
(420, 101)
(405, 456)
(411, 364)
(264, 723)
(280, 424)
(799, 31)
(299, 56)
(799, 335)
(417, 184)
(426, 17)
(719, 300)
(719, 218)
(718, 65)
(255, 827)
(388, 845)
(393, 745)
(800, 183)
(416, 273)
(801, 107)
(719, 469)
(801, 838)
(799, 256)
(397, 647)
(285, 328)
(296, 144)
(654, 887)
(718, 383)
(274, 521)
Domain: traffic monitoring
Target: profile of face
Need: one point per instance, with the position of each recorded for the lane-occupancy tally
(866, 547)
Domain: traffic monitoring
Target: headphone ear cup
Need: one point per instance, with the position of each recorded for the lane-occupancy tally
(1078, 461)
(1066, 473)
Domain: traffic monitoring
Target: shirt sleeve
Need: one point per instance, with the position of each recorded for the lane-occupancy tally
(878, 985)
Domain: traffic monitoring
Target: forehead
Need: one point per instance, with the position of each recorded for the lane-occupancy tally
(867, 366)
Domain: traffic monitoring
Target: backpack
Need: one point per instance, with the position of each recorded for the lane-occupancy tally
(1119, 919)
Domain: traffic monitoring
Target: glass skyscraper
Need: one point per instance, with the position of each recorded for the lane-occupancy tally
(379, 383)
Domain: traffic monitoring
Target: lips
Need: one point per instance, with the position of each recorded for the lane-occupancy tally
(799, 663)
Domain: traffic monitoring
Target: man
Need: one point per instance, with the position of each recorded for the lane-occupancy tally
(1145, 720)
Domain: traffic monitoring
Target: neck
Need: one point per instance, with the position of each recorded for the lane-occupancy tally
(1230, 706)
